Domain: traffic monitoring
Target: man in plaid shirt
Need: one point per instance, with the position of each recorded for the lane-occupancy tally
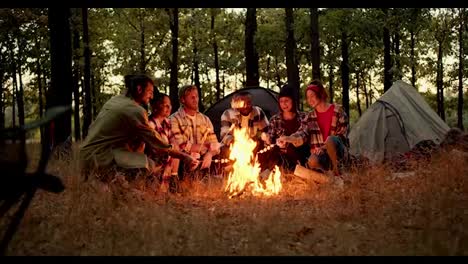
(193, 131)
(243, 114)
(325, 128)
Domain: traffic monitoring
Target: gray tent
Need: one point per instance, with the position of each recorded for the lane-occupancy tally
(262, 97)
(394, 124)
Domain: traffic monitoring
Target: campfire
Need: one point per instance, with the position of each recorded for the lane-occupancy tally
(245, 175)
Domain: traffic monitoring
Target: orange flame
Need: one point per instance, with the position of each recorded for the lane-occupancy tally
(245, 176)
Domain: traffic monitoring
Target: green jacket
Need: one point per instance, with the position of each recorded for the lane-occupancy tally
(120, 123)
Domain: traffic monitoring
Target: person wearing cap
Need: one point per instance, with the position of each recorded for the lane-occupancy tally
(117, 138)
(285, 123)
(325, 128)
(242, 114)
(193, 131)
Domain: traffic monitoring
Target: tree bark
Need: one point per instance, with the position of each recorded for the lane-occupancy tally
(387, 56)
(460, 69)
(398, 74)
(216, 60)
(76, 81)
(61, 69)
(413, 58)
(331, 76)
(439, 82)
(173, 84)
(358, 101)
(291, 63)
(345, 71)
(20, 95)
(87, 102)
(366, 94)
(196, 68)
(315, 43)
(251, 55)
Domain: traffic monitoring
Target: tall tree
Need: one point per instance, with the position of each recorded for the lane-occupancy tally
(174, 26)
(461, 32)
(387, 49)
(76, 14)
(315, 43)
(214, 12)
(251, 55)
(87, 101)
(345, 70)
(61, 66)
(291, 62)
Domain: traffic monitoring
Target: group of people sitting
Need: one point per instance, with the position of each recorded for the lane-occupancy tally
(182, 146)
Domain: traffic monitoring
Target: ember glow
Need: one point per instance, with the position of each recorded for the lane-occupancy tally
(245, 175)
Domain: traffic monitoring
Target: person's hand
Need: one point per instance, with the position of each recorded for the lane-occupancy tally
(266, 138)
(206, 161)
(192, 161)
(296, 141)
(281, 142)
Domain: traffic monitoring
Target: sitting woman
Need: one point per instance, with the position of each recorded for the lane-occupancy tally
(158, 120)
(285, 123)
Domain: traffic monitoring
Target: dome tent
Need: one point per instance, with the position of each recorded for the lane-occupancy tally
(394, 124)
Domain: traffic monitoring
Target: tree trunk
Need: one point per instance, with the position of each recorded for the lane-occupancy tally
(371, 92)
(268, 72)
(345, 71)
(315, 43)
(61, 69)
(196, 69)
(76, 81)
(20, 95)
(41, 98)
(460, 69)
(331, 76)
(2, 104)
(277, 75)
(142, 48)
(398, 74)
(216, 60)
(251, 55)
(358, 101)
(291, 63)
(413, 59)
(173, 84)
(13, 102)
(87, 102)
(224, 84)
(366, 94)
(439, 83)
(387, 57)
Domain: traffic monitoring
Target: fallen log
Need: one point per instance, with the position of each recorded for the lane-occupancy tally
(310, 175)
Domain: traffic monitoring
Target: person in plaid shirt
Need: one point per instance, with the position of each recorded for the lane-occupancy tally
(242, 114)
(285, 123)
(325, 128)
(193, 131)
(158, 120)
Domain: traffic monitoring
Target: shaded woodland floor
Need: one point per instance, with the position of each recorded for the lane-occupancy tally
(426, 214)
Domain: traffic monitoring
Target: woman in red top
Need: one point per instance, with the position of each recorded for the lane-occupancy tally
(325, 128)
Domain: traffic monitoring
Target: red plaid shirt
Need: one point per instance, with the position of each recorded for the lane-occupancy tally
(310, 130)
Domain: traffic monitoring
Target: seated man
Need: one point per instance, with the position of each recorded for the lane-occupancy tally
(242, 114)
(193, 132)
(118, 136)
(326, 128)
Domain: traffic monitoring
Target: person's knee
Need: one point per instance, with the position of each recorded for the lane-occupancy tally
(331, 142)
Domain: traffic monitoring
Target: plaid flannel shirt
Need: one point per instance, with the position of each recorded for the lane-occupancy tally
(276, 126)
(198, 131)
(257, 121)
(164, 130)
(310, 130)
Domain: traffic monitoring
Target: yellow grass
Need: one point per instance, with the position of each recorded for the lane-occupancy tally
(426, 214)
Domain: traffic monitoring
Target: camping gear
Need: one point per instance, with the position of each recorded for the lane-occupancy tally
(394, 124)
(261, 97)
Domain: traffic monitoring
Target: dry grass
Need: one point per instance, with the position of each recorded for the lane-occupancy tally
(426, 214)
